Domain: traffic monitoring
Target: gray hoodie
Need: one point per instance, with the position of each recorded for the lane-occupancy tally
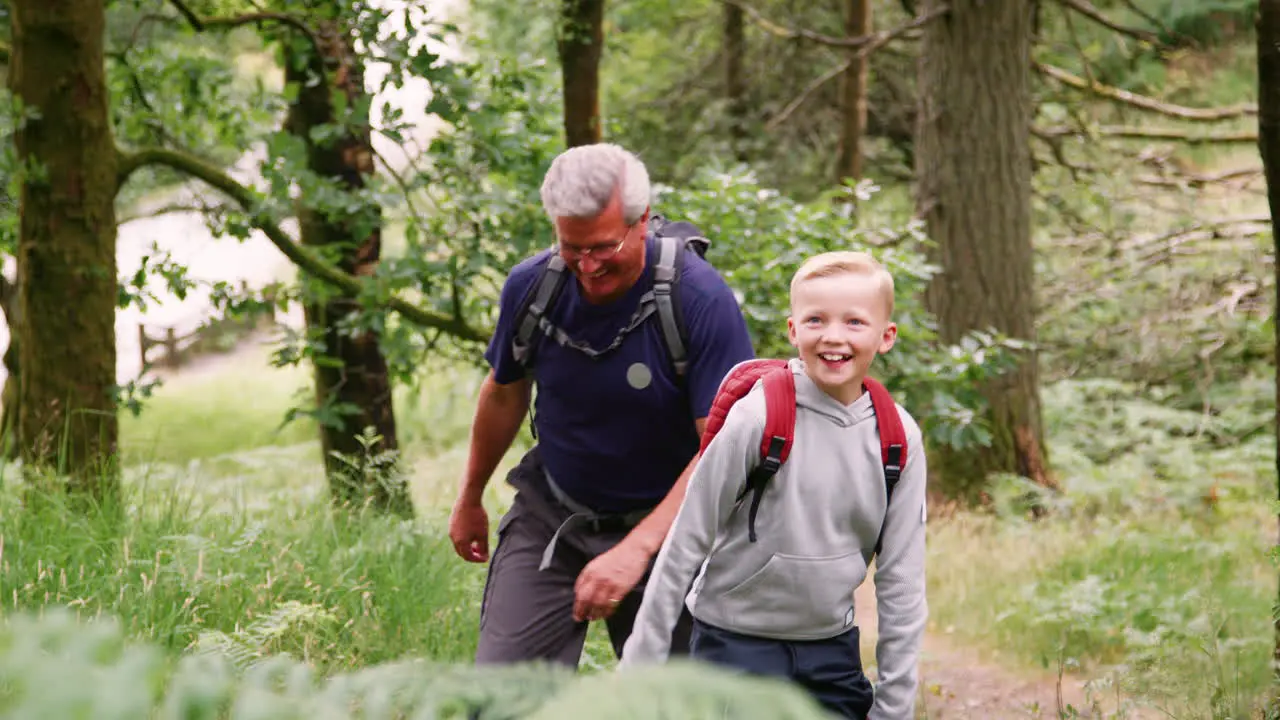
(816, 530)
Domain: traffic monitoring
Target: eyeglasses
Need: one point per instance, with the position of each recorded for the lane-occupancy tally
(597, 252)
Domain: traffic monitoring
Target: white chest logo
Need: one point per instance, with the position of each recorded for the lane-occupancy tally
(639, 376)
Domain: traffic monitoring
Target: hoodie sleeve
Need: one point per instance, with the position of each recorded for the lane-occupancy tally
(900, 587)
(709, 499)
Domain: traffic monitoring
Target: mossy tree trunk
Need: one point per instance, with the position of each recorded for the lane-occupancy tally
(580, 43)
(1268, 39)
(973, 171)
(353, 389)
(67, 242)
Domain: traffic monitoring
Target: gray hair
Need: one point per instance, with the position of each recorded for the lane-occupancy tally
(582, 179)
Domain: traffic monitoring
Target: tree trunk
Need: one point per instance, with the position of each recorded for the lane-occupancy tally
(854, 94)
(353, 390)
(734, 81)
(67, 243)
(580, 43)
(973, 172)
(1269, 147)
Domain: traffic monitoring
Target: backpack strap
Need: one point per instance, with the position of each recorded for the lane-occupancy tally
(775, 443)
(673, 238)
(666, 281)
(534, 311)
(893, 442)
(664, 299)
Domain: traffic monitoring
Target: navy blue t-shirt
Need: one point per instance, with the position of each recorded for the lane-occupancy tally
(616, 431)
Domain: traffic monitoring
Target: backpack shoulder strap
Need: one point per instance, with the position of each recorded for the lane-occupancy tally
(674, 237)
(533, 311)
(893, 442)
(775, 442)
(666, 282)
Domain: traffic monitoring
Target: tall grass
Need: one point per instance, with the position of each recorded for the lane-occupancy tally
(353, 590)
(228, 537)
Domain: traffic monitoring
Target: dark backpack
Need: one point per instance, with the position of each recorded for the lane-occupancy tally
(664, 299)
(780, 425)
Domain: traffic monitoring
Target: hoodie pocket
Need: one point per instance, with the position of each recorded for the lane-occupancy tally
(792, 594)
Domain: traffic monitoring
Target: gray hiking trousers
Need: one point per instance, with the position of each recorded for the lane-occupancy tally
(526, 613)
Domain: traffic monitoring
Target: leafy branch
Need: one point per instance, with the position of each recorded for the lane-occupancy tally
(301, 256)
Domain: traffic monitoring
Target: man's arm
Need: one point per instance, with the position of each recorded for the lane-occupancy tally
(500, 411)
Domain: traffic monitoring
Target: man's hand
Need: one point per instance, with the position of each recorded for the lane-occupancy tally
(605, 581)
(469, 530)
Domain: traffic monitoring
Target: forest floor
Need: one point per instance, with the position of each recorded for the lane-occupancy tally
(958, 681)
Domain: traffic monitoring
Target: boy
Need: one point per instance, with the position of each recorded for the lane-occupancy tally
(783, 604)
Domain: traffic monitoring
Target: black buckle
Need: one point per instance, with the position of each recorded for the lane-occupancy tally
(770, 464)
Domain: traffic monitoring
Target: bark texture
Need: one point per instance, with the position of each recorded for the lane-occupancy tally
(1268, 35)
(854, 94)
(973, 172)
(351, 375)
(67, 243)
(580, 44)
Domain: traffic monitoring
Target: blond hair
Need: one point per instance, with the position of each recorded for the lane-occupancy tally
(846, 262)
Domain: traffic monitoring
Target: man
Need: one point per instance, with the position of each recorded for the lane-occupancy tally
(617, 418)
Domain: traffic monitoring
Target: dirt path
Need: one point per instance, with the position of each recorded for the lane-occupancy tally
(956, 682)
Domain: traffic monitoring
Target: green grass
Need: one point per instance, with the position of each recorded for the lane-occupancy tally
(206, 416)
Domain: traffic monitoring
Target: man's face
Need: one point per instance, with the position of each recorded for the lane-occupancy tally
(839, 323)
(603, 252)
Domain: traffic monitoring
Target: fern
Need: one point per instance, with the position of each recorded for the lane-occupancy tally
(291, 624)
(680, 690)
(59, 667)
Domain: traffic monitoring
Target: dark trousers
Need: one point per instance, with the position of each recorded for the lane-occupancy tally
(831, 669)
(527, 614)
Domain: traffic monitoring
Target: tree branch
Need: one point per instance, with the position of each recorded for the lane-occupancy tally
(867, 42)
(1144, 102)
(301, 256)
(185, 12)
(1199, 181)
(200, 24)
(1089, 10)
(1138, 133)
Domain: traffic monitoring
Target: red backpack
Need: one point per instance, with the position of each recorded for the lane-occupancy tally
(780, 424)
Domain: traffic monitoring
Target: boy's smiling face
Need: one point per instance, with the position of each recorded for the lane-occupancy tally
(838, 323)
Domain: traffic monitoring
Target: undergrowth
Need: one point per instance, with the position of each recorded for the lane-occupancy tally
(1154, 567)
(57, 667)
